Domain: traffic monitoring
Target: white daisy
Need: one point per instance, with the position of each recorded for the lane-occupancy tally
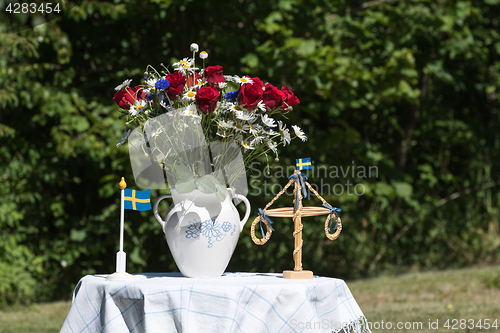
(223, 132)
(225, 123)
(261, 106)
(125, 84)
(272, 145)
(124, 138)
(234, 108)
(268, 131)
(222, 85)
(184, 62)
(225, 105)
(203, 55)
(298, 131)
(150, 85)
(241, 127)
(256, 140)
(247, 116)
(268, 121)
(241, 80)
(189, 96)
(247, 145)
(156, 133)
(194, 47)
(137, 107)
(187, 70)
(190, 111)
(284, 132)
(165, 104)
(254, 128)
(229, 78)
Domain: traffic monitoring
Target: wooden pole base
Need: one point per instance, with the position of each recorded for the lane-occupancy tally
(297, 274)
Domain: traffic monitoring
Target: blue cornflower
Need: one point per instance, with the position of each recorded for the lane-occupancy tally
(162, 84)
(150, 97)
(231, 96)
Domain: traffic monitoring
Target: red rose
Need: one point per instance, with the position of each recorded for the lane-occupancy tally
(290, 99)
(251, 94)
(126, 97)
(272, 97)
(177, 82)
(207, 98)
(192, 79)
(214, 76)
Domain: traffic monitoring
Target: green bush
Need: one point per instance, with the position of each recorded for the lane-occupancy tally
(409, 87)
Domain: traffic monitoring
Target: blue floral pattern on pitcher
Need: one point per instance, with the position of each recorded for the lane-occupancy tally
(211, 229)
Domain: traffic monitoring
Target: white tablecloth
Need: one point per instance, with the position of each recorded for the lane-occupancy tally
(235, 302)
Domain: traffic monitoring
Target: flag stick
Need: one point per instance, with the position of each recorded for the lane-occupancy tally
(121, 257)
(123, 185)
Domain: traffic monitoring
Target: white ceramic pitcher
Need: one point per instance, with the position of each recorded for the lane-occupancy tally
(201, 231)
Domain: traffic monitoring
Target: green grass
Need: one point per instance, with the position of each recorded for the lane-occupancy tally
(36, 318)
(471, 293)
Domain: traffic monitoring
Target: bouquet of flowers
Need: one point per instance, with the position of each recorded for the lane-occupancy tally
(179, 113)
(230, 108)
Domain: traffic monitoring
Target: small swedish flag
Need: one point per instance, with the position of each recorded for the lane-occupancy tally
(137, 200)
(304, 163)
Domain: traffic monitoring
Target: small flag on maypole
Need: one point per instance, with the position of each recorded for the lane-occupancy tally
(135, 200)
(304, 163)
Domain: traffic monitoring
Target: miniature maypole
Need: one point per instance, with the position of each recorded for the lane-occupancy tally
(297, 212)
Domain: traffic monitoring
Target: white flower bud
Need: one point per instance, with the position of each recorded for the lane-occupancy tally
(203, 55)
(194, 47)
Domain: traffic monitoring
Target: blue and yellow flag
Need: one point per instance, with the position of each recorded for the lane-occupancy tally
(137, 200)
(304, 163)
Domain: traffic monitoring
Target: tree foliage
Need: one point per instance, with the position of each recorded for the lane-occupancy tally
(410, 87)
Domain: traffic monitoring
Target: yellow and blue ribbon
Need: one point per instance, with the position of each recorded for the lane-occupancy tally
(333, 210)
(263, 215)
(300, 177)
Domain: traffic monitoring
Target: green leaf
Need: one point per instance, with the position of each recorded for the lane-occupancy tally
(306, 48)
(78, 235)
(185, 187)
(206, 184)
(383, 189)
(221, 192)
(184, 173)
(251, 60)
(403, 189)
(200, 169)
(81, 124)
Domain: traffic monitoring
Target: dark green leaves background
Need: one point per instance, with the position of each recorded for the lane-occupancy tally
(410, 87)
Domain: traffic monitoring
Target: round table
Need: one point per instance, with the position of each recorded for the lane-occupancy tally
(234, 302)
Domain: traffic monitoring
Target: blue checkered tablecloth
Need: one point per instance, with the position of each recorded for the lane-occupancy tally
(235, 302)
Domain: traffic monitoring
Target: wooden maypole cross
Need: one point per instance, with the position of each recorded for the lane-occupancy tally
(297, 212)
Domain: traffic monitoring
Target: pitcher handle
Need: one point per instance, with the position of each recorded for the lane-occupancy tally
(155, 207)
(247, 208)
